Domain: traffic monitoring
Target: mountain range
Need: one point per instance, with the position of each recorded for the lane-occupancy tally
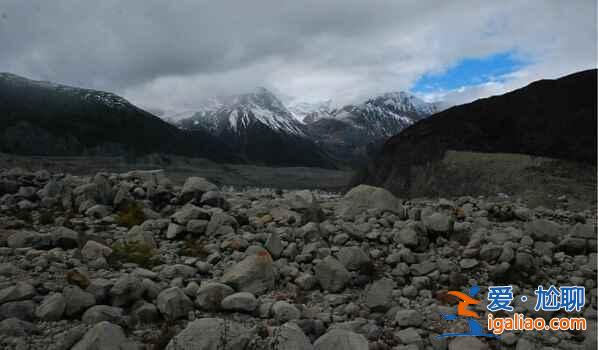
(251, 122)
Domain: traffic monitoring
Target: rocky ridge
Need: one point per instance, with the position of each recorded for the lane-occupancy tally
(133, 261)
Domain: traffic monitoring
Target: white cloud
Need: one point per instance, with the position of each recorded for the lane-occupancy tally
(171, 54)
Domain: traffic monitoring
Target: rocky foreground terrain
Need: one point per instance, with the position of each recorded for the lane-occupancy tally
(131, 261)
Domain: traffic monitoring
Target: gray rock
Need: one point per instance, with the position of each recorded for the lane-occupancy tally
(408, 237)
(13, 327)
(187, 213)
(289, 337)
(137, 235)
(274, 245)
(174, 230)
(98, 211)
(254, 274)
(472, 343)
(99, 313)
(211, 334)
(23, 310)
(127, 290)
(410, 336)
(20, 291)
(284, 312)
(243, 301)
(105, 336)
(173, 303)
(409, 318)
(378, 296)
(585, 231)
(169, 272)
(210, 295)
(215, 199)
(337, 339)
(363, 197)
(221, 223)
(353, 258)
(194, 187)
(197, 226)
(145, 312)
(77, 300)
(332, 275)
(93, 250)
(544, 230)
(65, 238)
(52, 307)
(436, 222)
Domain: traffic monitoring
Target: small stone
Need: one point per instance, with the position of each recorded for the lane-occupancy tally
(378, 296)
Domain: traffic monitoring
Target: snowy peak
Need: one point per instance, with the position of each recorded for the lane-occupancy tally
(308, 112)
(239, 112)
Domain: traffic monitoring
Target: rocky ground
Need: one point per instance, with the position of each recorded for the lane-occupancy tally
(131, 261)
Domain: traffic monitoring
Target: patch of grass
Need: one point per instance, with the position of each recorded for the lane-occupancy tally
(131, 215)
(137, 253)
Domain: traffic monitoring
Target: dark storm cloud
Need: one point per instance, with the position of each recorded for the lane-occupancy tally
(170, 53)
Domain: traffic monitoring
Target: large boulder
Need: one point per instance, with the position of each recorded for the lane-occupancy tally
(337, 339)
(363, 197)
(544, 230)
(353, 258)
(52, 307)
(19, 291)
(105, 336)
(211, 334)
(77, 300)
(194, 187)
(173, 303)
(332, 275)
(210, 295)
(289, 337)
(254, 274)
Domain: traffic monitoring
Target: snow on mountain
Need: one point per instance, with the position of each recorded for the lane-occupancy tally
(308, 111)
(239, 112)
(106, 98)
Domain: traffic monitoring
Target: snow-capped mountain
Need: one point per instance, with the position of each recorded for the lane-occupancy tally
(239, 112)
(260, 127)
(387, 114)
(353, 132)
(310, 111)
(252, 120)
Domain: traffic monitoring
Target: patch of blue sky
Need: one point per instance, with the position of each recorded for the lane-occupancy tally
(471, 71)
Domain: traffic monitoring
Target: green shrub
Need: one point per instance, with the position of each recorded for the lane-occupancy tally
(131, 215)
(137, 253)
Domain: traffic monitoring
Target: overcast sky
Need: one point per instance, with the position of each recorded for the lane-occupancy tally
(170, 54)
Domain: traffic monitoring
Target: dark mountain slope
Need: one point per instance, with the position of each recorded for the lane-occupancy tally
(548, 118)
(41, 118)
